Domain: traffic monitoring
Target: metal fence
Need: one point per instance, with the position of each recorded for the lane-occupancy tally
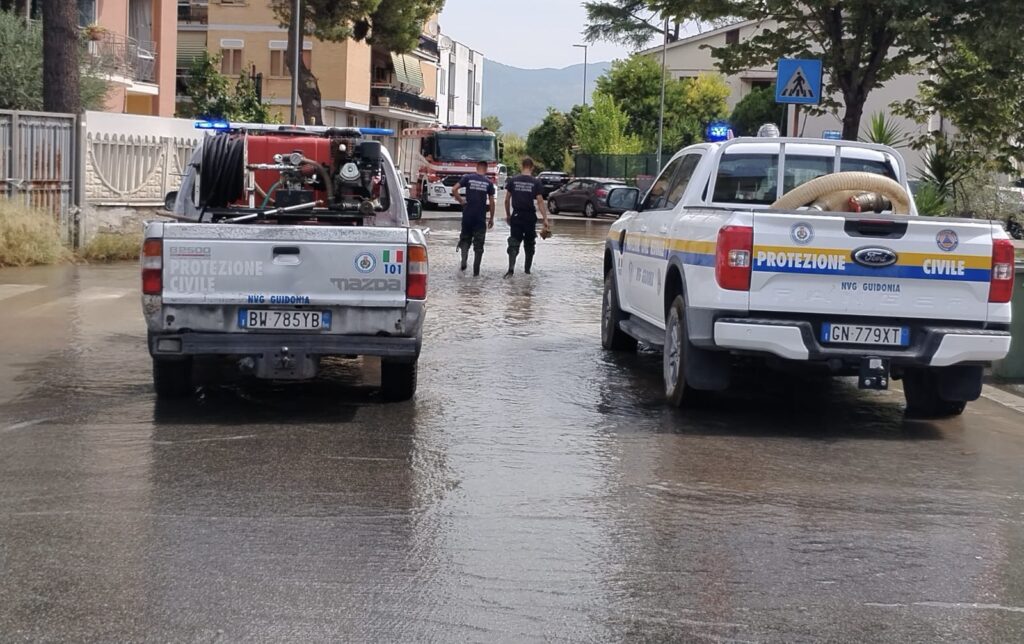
(616, 166)
(39, 163)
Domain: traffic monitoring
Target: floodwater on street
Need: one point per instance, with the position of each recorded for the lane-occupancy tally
(537, 488)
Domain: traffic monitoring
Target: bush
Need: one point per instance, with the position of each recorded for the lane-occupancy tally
(112, 247)
(28, 236)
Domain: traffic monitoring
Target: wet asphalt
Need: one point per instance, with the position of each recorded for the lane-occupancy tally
(537, 488)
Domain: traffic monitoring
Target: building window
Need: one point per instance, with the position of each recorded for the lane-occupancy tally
(279, 57)
(86, 12)
(231, 62)
(353, 120)
(732, 37)
(444, 84)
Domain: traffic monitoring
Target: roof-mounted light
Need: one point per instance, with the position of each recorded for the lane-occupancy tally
(718, 131)
(376, 131)
(768, 131)
(212, 124)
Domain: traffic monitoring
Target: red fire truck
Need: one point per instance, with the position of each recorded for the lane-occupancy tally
(433, 159)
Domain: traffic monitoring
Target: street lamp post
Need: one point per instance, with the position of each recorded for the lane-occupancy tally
(661, 109)
(584, 48)
(296, 57)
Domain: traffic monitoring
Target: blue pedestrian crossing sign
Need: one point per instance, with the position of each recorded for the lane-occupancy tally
(798, 81)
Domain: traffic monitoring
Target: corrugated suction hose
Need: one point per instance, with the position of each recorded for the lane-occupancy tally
(846, 182)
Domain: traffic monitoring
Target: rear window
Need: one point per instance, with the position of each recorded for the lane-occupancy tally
(451, 180)
(752, 178)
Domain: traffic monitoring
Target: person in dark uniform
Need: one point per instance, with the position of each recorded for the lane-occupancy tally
(523, 197)
(478, 202)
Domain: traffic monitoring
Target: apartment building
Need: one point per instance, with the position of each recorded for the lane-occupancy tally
(689, 57)
(361, 85)
(460, 81)
(134, 42)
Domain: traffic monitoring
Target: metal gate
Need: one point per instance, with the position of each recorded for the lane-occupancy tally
(38, 163)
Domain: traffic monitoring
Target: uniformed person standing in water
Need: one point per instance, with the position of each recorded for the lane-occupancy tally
(478, 202)
(524, 195)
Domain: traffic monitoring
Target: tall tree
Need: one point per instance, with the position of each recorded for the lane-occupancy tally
(976, 82)
(491, 122)
(690, 104)
(549, 141)
(61, 92)
(863, 43)
(602, 129)
(392, 24)
(634, 23)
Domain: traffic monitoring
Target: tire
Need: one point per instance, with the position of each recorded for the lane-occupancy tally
(677, 392)
(424, 201)
(921, 389)
(398, 380)
(612, 337)
(552, 206)
(172, 378)
(588, 210)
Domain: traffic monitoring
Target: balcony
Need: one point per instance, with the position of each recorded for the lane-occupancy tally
(119, 55)
(428, 46)
(387, 97)
(193, 12)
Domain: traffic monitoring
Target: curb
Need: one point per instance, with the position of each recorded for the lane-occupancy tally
(1004, 398)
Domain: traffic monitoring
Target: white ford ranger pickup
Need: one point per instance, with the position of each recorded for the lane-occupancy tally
(809, 254)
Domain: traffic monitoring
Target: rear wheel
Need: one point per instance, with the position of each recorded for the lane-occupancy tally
(677, 391)
(612, 337)
(398, 380)
(922, 390)
(589, 211)
(172, 378)
(552, 206)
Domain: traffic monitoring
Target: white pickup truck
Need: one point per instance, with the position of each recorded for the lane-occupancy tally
(805, 253)
(295, 245)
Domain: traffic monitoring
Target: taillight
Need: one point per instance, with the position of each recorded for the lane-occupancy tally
(601, 192)
(416, 273)
(152, 266)
(1001, 282)
(733, 257)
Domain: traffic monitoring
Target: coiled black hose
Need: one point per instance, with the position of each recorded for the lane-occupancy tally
(222, 174)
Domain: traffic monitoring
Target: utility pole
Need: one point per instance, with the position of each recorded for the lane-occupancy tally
(584, 47)
(661, 109)
(296, 57)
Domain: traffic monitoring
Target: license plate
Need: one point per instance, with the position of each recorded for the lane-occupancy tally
(892, 336)
(284, 320)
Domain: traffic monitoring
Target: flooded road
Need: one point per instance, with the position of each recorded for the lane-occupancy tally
(536, 489)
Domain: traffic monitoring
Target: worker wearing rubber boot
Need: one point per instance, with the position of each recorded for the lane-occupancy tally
(523, 197)
(476, 206)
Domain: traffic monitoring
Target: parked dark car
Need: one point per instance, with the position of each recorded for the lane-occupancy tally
(585, 195)
(551, 181)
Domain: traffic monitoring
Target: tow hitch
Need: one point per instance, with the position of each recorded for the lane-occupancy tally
(874, 374)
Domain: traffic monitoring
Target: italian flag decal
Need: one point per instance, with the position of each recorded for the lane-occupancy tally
(393, 257)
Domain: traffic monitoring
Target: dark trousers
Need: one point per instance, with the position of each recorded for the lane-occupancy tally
(473, 236)
(524, 234)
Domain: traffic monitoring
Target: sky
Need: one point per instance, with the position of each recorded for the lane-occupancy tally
(525, 33)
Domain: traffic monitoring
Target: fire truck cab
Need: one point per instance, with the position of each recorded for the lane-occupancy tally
(433, 159)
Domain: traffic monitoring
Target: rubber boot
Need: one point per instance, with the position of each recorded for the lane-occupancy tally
(477, 258)
(511, 266)
(529, 262)
(465, 258)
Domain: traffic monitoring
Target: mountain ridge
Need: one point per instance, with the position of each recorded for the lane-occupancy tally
(520, 97)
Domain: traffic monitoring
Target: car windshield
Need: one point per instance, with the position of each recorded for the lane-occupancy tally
(752, 178)
(465, 148)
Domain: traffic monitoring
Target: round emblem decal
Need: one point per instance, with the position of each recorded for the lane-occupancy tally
(947, 240)
(802, 233)
(365, 263)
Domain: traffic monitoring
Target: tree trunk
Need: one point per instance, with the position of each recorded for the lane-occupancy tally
(854, 112)
(309, 87)
(61, 43)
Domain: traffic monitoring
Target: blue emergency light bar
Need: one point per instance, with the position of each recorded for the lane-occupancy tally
(832, 135)
(224, 126)
(718, 131)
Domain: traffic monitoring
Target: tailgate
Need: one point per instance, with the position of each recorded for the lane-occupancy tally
(284, 265)
(887, 266)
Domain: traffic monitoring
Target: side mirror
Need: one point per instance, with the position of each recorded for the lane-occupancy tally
(623, 198)
(415, 210)
(169, 200)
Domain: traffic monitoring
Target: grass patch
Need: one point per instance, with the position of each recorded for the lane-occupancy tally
(28, 236)
(112, 247)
